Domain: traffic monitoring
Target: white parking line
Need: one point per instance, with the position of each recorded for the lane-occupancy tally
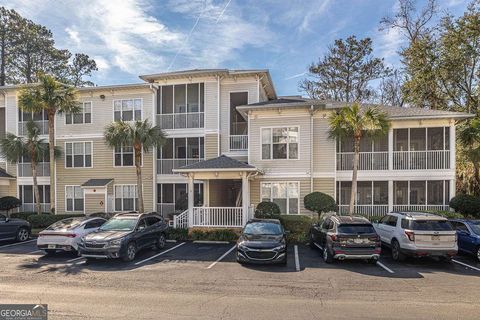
(466, 265)
(16, 244)
(36, 251)
(159, 254)
(384, 267)
(297, 260)
(223, 256)
(75, 259)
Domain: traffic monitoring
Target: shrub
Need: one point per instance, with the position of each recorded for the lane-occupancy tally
(24, 215)
(298, 225)
(39, 221)
(214, 235)
(448, 214)
(467, 204)
(267, 210)
(319, 202)
(8, 203)
(178, 234)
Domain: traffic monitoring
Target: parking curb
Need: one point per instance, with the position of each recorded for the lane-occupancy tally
(210, 242)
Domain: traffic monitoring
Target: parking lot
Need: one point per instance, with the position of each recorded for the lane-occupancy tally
(203, 281)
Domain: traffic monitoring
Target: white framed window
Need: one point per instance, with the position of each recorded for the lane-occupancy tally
(74, 198)
(125, 156)
(127, 109)
(78, 154)
(125, 197)
(285, 194)
(279, 143)
(84, 116)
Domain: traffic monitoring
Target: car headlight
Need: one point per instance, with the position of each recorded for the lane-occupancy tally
(241, 246)
(280, 247)
(115, 243)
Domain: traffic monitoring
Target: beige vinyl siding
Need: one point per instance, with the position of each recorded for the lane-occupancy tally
(274, 119)
(102, 111)
(249, 85)
(211, 146)
(103, 167)
(93, 202)
(323, 147)
(11, 112)
(325, 185)
(211, 106)
(9, 189)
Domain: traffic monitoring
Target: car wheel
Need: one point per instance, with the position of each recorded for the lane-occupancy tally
(131, 252)
(23, 234)
(327, 256)
(372, 261)
(50, 251)
(397, 255)
(160, 243)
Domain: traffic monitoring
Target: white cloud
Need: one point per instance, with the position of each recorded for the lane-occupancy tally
(388, 43)
(74, 36)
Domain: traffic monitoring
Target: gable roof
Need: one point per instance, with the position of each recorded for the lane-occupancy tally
(392, 111)
(222, 163)
(96, 183)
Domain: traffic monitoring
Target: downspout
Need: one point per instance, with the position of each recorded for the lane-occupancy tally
(154, 89)
(311, 147)
(218, 115)
(5, 122)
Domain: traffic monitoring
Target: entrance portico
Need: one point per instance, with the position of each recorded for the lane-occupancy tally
(226, 193)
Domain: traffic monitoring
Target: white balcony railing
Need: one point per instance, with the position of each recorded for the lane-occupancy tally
(25, 169)
(367, 160)
(420, 160)
(420, 207)
(165, 166)
(225, 217)
(375, 210)
(180, 120)
(41, 124)
(180, 221)
(238, 142)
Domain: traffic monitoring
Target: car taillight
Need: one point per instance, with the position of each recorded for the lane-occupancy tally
(410, 235)
(374, 239)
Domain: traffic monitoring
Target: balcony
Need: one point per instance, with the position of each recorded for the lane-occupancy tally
(41, 124)
(180, 120)
(165, 166)
(374, 210)
(238, 142)
(367, 161)
(421, 160)
(25, 169)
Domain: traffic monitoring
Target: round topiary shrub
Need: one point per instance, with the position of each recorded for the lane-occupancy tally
(319, 202)
(466, 204)
(267, 210)
(9, 203)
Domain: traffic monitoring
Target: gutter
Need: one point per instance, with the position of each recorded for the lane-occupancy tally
(311, 147)
(218, 116)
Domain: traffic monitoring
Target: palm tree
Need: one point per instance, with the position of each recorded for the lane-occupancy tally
(14, 147)
(53, 97)
(469, 137)
(142, 136)
(353, 122)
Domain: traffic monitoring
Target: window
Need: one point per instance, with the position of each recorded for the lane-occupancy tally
(125, 156)
(125, 197)
(127, 110)
(78, 154)
(173, 196)
(74, 195)
(84, 116)
(368, 193)
(284, 194)
(27, 196)
(238, 124)
(181, 98)
(177, 152)
(280, 143)
(392, 221)
(94, 224)
(152, 220)
(430, 192)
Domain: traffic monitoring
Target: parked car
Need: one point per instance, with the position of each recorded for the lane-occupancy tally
(262, 241)
(468, 233)
(14, 229)
(124, 235)
(345, 237)
(417, 234)
(65, 235)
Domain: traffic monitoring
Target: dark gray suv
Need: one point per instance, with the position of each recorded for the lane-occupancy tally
(124, 235)
(14, 229)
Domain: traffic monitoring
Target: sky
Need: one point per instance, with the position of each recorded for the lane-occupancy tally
(128, 38)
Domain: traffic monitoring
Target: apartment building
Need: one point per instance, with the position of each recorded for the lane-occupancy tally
(232, 142)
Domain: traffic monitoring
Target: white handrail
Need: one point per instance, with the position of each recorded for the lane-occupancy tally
(184, 120)
(377, 160)
(420, 160)
(180, 221)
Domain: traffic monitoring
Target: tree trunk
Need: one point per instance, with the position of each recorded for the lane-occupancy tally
(51, 152)
(476, 175)
(356, 157)
(36, 191)
(138, 167)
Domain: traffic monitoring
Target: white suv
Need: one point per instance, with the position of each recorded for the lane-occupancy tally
(417, 234)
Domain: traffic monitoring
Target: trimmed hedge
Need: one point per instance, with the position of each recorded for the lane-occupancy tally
(214, 235)
(298, 225)
(319, 202)
(466, 204)
(43, 220)
(267, 210)
(178, 234)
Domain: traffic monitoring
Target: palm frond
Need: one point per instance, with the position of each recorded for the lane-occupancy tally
(13, 147)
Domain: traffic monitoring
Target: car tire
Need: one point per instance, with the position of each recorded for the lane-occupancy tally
(397, 255)
(130, 253)
(327, 256)
(23, 234)
(50, 252)
(161, 240)
(372, 261)
(312, 242)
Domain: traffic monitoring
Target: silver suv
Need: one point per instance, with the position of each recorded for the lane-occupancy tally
(417, 234)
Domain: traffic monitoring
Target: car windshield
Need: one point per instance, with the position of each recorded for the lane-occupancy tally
(356, 228)
(475, 225)
(263, 228)
(119, 224)
(430, 225)
(70, 223)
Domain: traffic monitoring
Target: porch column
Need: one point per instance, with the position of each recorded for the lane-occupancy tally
(206, 193)
(245, 197)
(190, 199)
(390, 195)
(390, 149)
(452, 147)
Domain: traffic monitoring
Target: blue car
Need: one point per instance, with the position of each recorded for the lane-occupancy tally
(468, 232)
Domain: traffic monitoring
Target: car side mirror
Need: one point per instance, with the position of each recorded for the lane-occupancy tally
(140, 228)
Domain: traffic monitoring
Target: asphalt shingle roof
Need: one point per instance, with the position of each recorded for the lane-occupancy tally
(4, 174)
(222, 162)
(97, 182)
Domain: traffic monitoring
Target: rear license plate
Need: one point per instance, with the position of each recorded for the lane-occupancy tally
(52, 246)
(358, 240)
(436, 238)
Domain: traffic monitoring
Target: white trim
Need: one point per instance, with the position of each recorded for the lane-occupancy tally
(121, 152)
(73, 154)
(80, 136)
(65, 195)
(133, 110)
(288, 201)
(135, 199)
(83, 114)
(229, 107)
(288, 143)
